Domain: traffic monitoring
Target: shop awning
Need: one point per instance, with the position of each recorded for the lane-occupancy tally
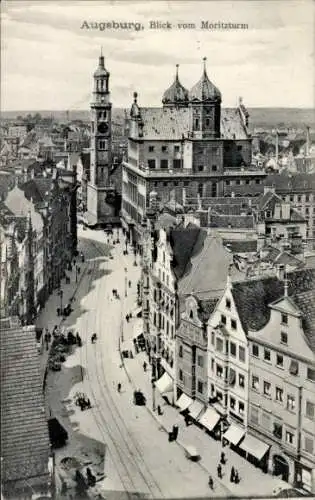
(210, 419)
(234, 434)
(183, 402)
(137, 312)
(165, 383)
(195, 409)
(138, 329)
(254, 446)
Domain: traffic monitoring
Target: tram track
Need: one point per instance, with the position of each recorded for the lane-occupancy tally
(123, 461)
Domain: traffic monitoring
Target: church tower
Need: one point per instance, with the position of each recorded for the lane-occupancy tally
(99, 188)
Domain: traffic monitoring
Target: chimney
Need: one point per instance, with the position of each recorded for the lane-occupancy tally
(277, 147)
(308, 141)
(281, 272)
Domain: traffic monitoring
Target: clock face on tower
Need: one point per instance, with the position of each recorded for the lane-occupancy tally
(103, 128)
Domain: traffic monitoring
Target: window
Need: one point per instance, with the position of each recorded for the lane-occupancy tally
(180, 351)
(212, 364)
(219, 395)
(266, 355)
(241, 380)
(290, 403)
(232, 377)
(255, 382)
(310, 410)
(279, 360)
(255, 350)
(227, 183)
(266, 420)
(254, 415)
(151, 149)
(228, 303)
(180, 374)
(232, 403)
(279, 394)
(239, 148)
(151, 163)
(223, 319)
(277, 430)
(102, 145)
(177, 163)
(308, 444)
(186, 183)
(267, 388)
(176, 149)
(237, 182)
(200, 387)
(294, 367)
(233, 324)
(241, 407)
(200, 168)
(284, 319)
(257, 181)
(311, 374)
(207, 122)
(200, 361)
(212, 338)
(164, 149)
(219, 344)
(214, 168)
(164, 163)
(284, 338)
(289, 437)
(233, 349)
(299, 199)
(247, 181)
(241, 353)
(219, 371)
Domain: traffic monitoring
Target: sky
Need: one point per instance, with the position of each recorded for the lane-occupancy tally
(49, 51)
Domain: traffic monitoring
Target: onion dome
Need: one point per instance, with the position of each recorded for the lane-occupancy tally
(176, 93)
(135, 110)
(101, 70)
(204, 90)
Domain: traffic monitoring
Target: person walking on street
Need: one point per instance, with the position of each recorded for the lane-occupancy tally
(232, 475)
(222, 459)
(119, 387)
(236, 477)
(210, 482)
(219, 471)
(144, 366)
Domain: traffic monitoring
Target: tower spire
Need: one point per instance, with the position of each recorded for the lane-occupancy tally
(101, 59)
(176, 74)
(204, 65)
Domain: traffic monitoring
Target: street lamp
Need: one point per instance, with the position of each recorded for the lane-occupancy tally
(153, 394)
(134, 253)
(61, 296)
(76, 273)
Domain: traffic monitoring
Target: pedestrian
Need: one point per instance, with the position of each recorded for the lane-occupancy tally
(210, 482)
(144, 366)
(232, 475)
(130, 354)
(223, 459)
(159, 410)
(187, 419)
(119, 387)
(236, 477)
(127, 318)
(219, 471)
(129, 284)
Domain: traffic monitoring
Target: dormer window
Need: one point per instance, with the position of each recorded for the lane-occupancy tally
(284, 338)
(268, 214)
(228, 303)
(191, 314)
(223, 319)
(284, 319)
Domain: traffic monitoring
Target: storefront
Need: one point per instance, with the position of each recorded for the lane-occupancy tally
(255, 451)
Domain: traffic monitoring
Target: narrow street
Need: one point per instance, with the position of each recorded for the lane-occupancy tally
(139, 459)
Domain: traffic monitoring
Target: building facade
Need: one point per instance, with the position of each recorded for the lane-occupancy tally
(187, 149)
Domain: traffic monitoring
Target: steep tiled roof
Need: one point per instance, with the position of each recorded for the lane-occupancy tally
(268, 200)
(253, 297)
(173, 123)
(208, 270)
(204, 89)
(37, 188)
(17, 202)
(176, 93)
(185, 241)
(206, 308)
(25, 446)
(241, 246)
(232, 221)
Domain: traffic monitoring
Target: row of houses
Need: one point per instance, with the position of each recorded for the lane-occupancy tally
(38, 240)
(235, 349)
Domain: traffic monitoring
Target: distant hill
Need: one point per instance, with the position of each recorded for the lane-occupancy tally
(259, 117)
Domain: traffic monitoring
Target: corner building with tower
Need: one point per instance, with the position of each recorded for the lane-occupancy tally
(187, 151)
